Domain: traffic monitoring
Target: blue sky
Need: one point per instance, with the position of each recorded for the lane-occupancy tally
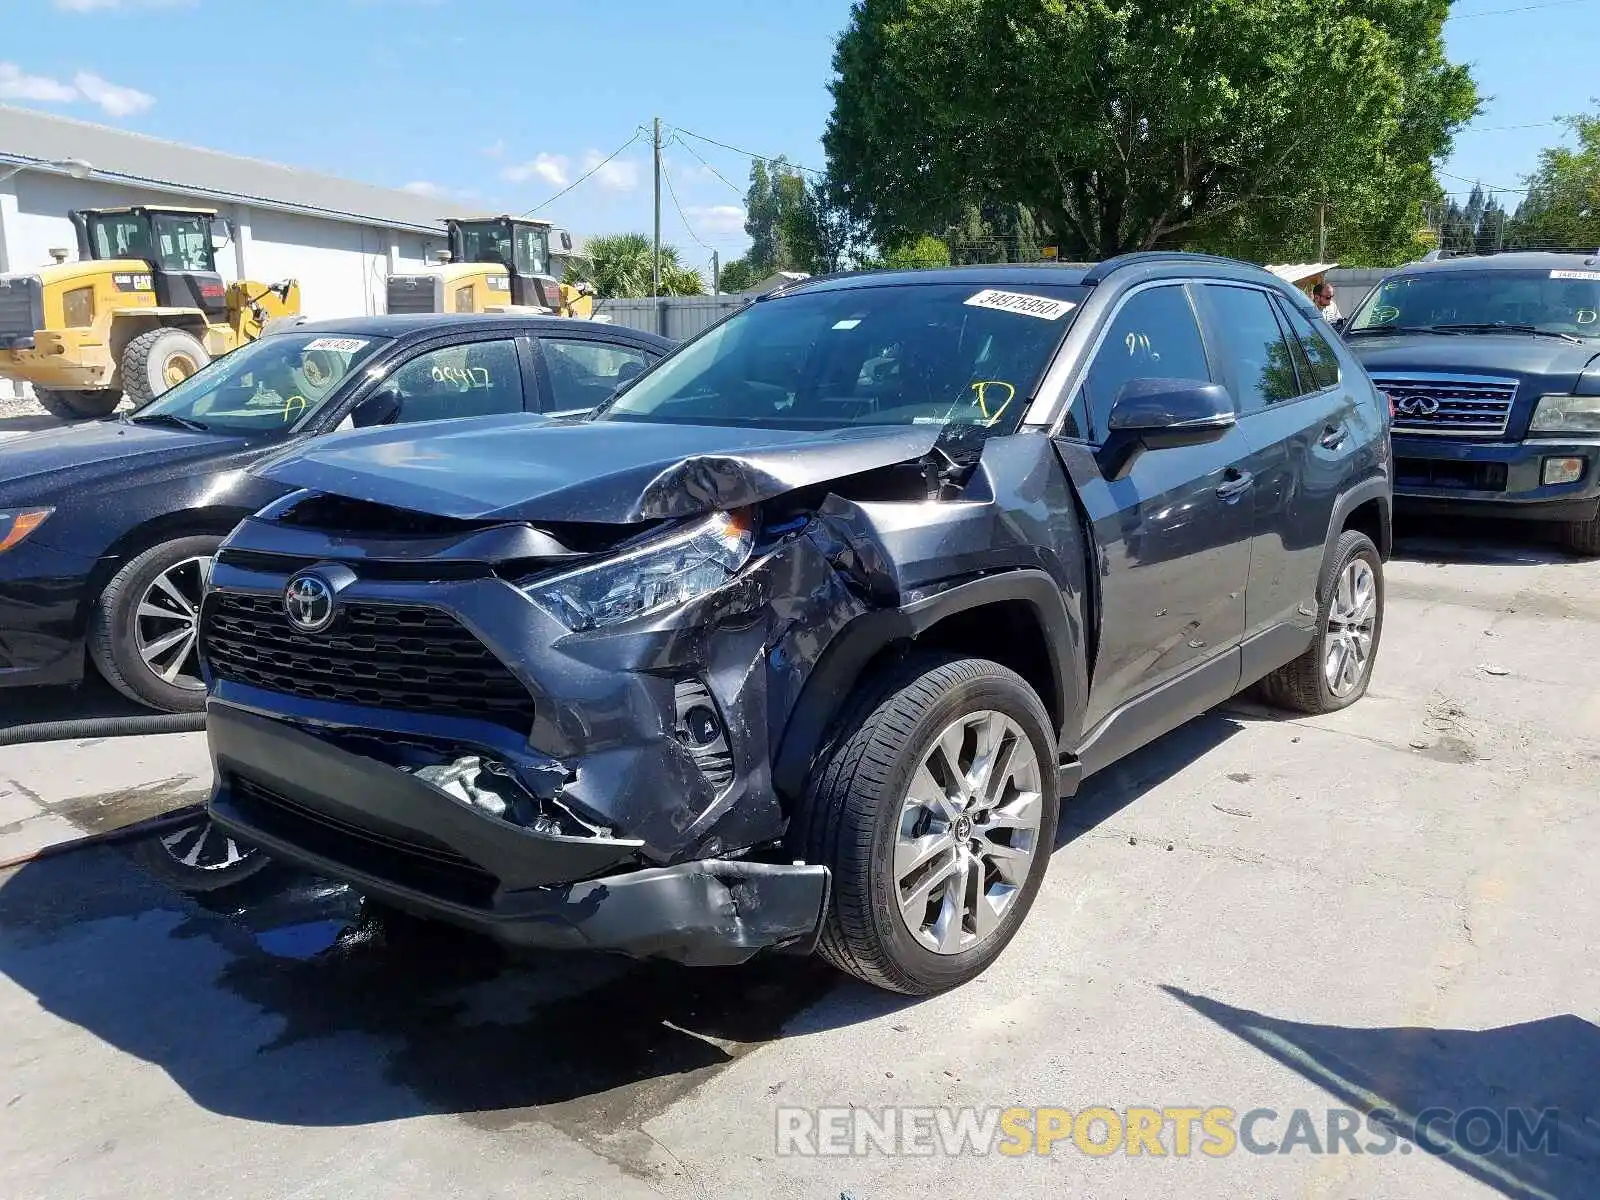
(499, 104)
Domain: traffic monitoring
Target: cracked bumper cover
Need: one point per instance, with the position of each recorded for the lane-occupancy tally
(403, 841)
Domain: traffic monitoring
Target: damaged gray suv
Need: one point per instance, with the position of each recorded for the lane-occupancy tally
(795, 642)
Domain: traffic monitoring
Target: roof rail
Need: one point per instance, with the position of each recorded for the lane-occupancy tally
(1101, 269)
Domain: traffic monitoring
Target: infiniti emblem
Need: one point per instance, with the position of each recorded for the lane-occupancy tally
(308, 603)
(1417, 406)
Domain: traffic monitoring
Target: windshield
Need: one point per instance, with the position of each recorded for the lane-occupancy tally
(940, 354)
(489, 242)
(121, 235)
(183, 242)
(266, 386)
(1560, 302)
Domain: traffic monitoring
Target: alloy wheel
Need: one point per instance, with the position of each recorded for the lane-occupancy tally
(968, 832)
(1352, 618)
(166, 625)
(203, 847)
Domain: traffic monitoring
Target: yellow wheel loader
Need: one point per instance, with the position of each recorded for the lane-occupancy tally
(494, 264)
(142, 309)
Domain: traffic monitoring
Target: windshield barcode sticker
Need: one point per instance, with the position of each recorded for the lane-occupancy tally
(339, 345)
(1575, 274)
(1025, 305)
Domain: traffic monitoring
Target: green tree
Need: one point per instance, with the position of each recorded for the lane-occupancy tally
(738, 276)
(925, 251)
(619, 268)
(1203, 123)
(776, 195)
(1562, 207)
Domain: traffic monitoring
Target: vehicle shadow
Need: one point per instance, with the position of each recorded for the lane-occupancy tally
(28, 423)
(1478, 542)
(1474, 1098)
(92, 700)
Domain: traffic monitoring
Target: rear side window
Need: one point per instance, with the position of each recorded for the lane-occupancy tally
(1154, 335)
(1324, 363)
(1253, 344)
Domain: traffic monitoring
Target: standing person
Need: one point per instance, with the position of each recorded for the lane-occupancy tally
(1322, 296)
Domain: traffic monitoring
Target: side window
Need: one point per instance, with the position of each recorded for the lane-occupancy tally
(1254, 346)
(584, 373)
(475, 379)
(1154, 335)
(1323, 362)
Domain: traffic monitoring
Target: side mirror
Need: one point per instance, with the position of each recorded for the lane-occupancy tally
(1162, 414)
(378, 408)
(1338, 326)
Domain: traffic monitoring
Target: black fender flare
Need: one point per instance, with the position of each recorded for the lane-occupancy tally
(1376, 488)
(841, 664)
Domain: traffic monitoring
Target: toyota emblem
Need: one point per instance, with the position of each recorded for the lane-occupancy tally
(1417, 406)
(308, 603)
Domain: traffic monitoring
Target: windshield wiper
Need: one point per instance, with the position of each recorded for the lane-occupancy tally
(1440, 329)
(167, 419)
(1502, 327)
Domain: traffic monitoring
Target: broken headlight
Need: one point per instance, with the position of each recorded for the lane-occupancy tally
(661, 573)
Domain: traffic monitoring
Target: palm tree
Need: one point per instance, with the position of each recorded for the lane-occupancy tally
(619, 268)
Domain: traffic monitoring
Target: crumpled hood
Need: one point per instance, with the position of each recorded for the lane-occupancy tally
(1473, 354)
(531, 468)
(52, 463)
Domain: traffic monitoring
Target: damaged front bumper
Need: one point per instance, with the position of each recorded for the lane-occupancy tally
(399, 838)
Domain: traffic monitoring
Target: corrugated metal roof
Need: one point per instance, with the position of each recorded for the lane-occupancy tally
(137, 159)
(1299, 272)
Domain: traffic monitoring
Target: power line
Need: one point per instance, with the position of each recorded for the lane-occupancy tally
(678, 141)
(1500, 12)
(673, 192)
(748, 153)
(637, 134)
(1479, 183)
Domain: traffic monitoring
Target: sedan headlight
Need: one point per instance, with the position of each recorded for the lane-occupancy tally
(1566, 414)
(17, 523)
(661, 573)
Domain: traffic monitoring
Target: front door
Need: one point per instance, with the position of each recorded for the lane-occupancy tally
(1171, 538)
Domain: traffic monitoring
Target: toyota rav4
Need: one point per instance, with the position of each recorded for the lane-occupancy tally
(797, 639)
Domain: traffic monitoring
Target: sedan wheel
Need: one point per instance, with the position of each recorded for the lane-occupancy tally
(167, 623)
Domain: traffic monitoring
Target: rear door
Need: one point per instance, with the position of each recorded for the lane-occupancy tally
(1172, 538)
(1296, 421)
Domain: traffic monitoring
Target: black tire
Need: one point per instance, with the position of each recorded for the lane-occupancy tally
(215, 867)
(145, 360)
(850, 815)
(114, 626)
(69, 405)
(1582, 537)
(1302, 685)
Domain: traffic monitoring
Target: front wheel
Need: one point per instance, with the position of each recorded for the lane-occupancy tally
(936, 812)
(1334, 672)
(1582, 537)
(144, 631)
(81, 405)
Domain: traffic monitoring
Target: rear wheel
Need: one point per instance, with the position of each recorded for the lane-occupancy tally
(68, 405)
(1582, 537)
(936, 813)
(1334, 672)
(144, 632)
(154, 361)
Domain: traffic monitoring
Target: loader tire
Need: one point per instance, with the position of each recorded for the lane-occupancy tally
(154, 361)
(78, 405)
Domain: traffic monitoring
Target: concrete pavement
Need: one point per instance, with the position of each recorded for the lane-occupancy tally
(1393, 906)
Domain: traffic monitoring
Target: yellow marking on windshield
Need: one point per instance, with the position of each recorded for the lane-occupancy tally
(295, 404)
(981, 387)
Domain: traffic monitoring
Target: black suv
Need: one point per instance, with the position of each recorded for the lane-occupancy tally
(795, 640)
(1492, 365)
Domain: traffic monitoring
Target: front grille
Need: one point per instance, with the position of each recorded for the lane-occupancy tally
(426, 867)
(391, 656)
(1459, 405)
(410, 293)
(21, 306)
(1450, 473)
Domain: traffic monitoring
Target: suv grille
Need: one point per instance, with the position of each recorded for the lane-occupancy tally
(21, 307)
(379, 655)
(1463, 405)
(410, 293)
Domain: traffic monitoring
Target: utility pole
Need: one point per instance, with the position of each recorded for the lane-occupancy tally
(655, 259)
(716, 274)
(1322, 233)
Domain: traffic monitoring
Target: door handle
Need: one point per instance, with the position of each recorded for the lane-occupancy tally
(1333, 436)
(1235, 483)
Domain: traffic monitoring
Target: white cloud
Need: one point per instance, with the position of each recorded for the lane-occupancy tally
(83, 6)
(552, 168)
(619, 175)
(421, 187)
(15, 84)
(114, 99)
(716, 220)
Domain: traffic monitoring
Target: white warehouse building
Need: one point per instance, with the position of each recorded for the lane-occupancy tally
(338, 238)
